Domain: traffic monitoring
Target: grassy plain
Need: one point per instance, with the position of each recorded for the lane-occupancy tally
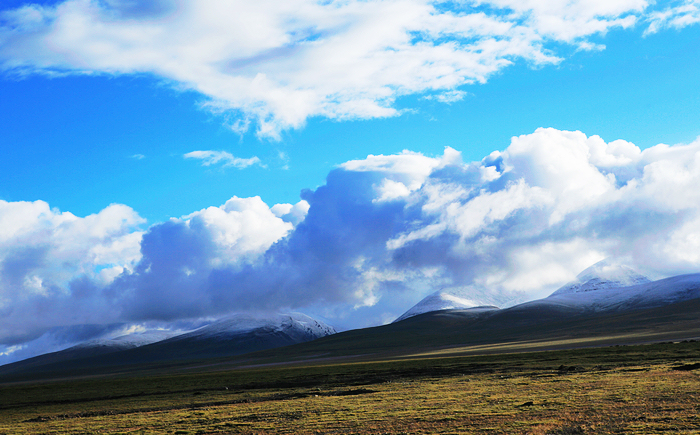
(640, 389)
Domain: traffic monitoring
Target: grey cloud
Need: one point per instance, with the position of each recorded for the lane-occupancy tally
(314, 263)
(167, 282)
(19, 263)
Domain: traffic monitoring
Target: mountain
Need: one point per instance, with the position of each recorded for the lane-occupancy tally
(442, 300)
(601, 310)
(646, 295)
(603, 275)
(471, 298)
(596, 288)
(93, 348)
(607, 286)
(663, 310)
(522, 328)
(242, 332)
(230, 336)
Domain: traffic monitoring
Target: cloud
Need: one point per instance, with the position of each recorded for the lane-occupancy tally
(209, 158)
(274, 64)
(447, 97)
(680, 14)
(53, 265)
(378, 236)
(175, 276)
(386, 230)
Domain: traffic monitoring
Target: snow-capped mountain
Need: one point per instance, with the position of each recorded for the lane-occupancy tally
(297, 326)
(645, 295)
(233, 335)
(452, 299)
(609, 286)
(605, 286)
(605, 274)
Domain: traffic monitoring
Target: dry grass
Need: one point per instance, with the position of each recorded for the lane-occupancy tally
(637, 397)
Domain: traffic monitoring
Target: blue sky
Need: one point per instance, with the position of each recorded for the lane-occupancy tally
(135, 136)
(71, 140)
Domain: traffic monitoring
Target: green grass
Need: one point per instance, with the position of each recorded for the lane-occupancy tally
(623, 389)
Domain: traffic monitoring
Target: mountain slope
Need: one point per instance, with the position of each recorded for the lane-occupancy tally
(92, 348)
(128, 341)
(234, 335)
(654, 311)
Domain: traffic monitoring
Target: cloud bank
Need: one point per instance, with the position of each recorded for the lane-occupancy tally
(54, 266)
(274, 64)
(382, 233)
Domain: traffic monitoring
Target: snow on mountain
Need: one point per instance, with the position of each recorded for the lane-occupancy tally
(130, 341)
(445, 300)
(299, 326)
(232, 335)
(605, 274)
(605, 286)
(645, 295)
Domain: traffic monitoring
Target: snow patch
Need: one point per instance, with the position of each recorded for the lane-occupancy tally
(129, 341)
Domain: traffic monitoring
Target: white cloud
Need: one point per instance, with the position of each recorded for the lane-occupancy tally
(378, 236)
(404, 172)
(680, 14)
(209, 158)
(277, 63)
(241, 229)
(569, 21)
(70, 244)
(447, 97)
(561, 200)
(60, 270)
(294, 214)
(45, 256)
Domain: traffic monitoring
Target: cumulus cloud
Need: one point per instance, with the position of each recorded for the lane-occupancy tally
(53, 264)
(274, 64)
(61, 271)
(377, 237)
(209, 158)
(385, 231)
(561, 199)
(175, 276)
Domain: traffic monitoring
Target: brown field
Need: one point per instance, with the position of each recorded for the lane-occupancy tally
(642, 389)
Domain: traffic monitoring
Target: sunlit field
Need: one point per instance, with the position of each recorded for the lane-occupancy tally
(625, 389)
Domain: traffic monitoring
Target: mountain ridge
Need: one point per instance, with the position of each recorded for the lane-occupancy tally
(655, 310)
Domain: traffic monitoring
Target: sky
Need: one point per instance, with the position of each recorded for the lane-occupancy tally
(169, 162)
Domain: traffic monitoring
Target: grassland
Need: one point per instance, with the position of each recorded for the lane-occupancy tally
(624, 389)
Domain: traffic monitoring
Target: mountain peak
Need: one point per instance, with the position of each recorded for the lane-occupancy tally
(605, 274)
(460, 298)
(297, 324)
